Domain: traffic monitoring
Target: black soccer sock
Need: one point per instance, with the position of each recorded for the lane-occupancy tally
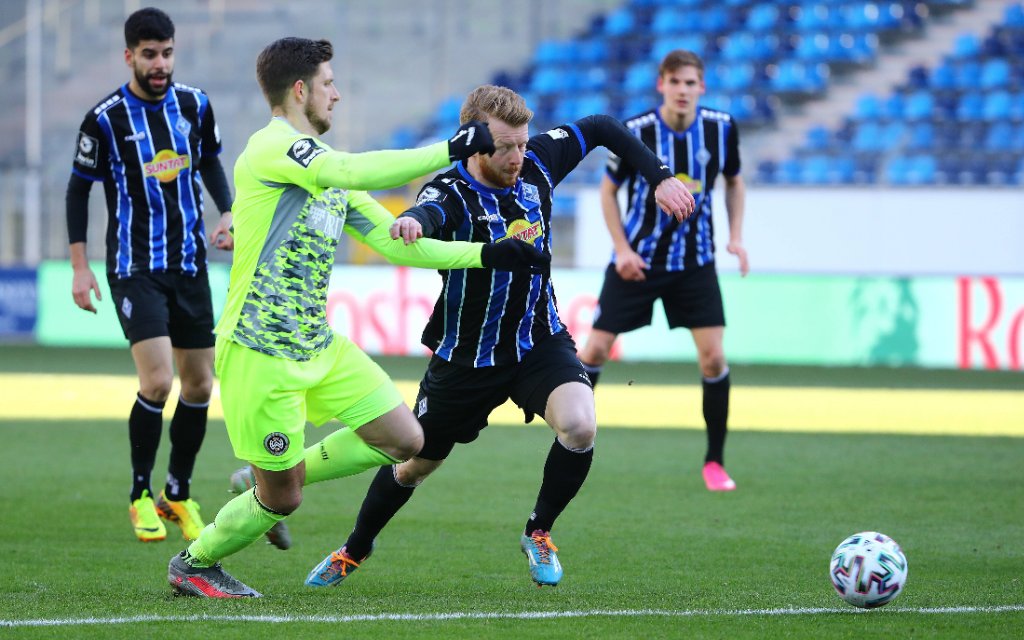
(564, 473)
(593, 372)
(188, 428)
(145, 424)
(716, 415)
(383, 500)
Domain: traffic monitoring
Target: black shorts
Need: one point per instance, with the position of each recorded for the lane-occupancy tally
(152, 305)
(455, 401)
(692, 299)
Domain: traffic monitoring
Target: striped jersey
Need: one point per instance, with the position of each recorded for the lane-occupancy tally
(147, 154)
(485, 317)
(709, 147)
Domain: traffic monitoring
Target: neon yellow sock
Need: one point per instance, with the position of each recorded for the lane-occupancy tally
(343, 453)
(238, 524)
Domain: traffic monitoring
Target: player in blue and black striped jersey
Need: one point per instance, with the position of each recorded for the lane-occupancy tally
(149, 143)
(657, 257)
(498, 335)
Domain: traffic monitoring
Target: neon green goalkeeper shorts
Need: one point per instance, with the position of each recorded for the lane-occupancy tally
(267, 401)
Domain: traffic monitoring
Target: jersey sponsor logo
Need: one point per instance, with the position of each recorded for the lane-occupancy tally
(558, 134)
(183, 126)
(166, 165)
(321, 219)
(276, 443)
(531, 193)
(523, 230)
(88, 150)
(692, 184)
(135, 137)
(303, 151)
(430, 194)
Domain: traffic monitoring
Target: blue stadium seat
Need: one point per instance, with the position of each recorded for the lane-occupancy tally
(1000, 137)
(670, 20)
(970, 106)
(897, 170)
(965, 46)
(815, 170)
(942, 77)
(763, 16)
(640, 77)
(919, 106)
(868, 107)
(922, 137)
(995, 74)
(1013, 16)
(818, 138)
(921, 169)
(620, 22)
(690, 42)
(997, 106)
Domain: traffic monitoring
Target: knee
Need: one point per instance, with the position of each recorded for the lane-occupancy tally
(197, 391)
(407, 447)
(284, 502)
(712, 363)
(578, 432)
(156, 388)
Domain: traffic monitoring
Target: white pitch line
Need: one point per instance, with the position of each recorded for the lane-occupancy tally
(525, 615)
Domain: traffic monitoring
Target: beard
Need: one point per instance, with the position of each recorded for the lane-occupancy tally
(144, 83)
(492, 175)
(320, 125)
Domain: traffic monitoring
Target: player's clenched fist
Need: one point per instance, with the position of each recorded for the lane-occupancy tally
(514, 255)
(472, 138)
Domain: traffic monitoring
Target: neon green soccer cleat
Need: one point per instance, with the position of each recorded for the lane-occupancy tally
(184, 513)
(145, 520)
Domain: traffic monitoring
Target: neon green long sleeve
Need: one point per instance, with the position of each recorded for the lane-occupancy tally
(380, 169)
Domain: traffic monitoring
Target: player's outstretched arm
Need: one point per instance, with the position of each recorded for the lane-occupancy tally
(388, 169)
(606, 131)
(372, 224)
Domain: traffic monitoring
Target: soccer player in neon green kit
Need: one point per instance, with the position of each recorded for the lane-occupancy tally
(278, 361)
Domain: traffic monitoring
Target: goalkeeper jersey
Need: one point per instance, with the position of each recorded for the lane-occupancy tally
(287, 226)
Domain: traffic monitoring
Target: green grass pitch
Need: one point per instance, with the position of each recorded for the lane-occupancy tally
(647, 551)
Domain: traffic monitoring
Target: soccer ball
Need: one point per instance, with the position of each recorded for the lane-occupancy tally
(868, 569)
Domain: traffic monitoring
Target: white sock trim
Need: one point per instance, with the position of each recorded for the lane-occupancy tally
(194, 405)
(148, 407)
(568, 448)
(719, 377)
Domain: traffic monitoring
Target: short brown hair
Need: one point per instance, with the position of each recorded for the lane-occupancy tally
(284, 61)
(680, 58)
(500, 103)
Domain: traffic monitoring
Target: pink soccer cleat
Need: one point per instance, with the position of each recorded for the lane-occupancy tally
(716, 478)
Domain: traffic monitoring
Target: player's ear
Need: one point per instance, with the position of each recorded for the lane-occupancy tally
(299, 90)
(128, 56)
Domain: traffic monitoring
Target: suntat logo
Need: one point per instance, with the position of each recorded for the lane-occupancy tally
(693, 185)
(523, 230)
(166, 165)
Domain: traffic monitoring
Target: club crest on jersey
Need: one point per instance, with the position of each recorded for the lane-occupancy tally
(304, 150)
(703, 156)
(276, 443)
(88, 150)
(692, 184)
(166, 165)
(430, 194)
(531, 193)
(183, 126)
(523, 230)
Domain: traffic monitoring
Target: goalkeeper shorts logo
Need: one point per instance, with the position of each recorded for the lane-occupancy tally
(276, 443)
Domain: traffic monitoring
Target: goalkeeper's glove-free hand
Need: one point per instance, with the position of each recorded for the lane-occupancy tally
(472, 138)
(514, 255)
